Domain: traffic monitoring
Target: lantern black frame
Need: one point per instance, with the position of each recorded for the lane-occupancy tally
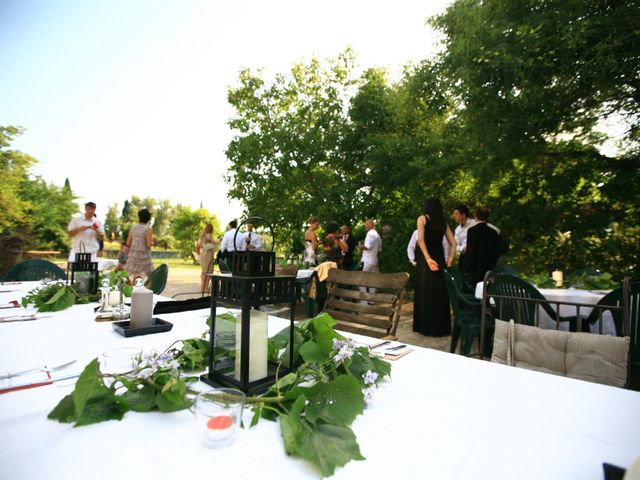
(83, 264)
(249, 293)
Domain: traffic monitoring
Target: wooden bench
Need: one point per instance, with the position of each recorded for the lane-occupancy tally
(365, 303)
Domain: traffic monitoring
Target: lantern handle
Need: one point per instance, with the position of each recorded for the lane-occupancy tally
(250, 220)
(81, 247)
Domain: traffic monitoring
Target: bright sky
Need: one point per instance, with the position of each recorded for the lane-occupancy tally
(129, 97)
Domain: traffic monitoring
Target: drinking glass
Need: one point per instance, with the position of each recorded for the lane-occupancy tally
(218, 415)
(120, 360)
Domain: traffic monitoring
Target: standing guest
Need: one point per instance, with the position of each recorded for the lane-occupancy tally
(431, 314)
(371, 247)
(413, 243)
(206, 248)
(483, 247)
(461, 216)
(350, 242)
(86, 232)
(252, 239)
(332, 245)
(311, 242)
(139, 242)
(227, 247)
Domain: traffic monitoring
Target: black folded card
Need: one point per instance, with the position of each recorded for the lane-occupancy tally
(182, 305)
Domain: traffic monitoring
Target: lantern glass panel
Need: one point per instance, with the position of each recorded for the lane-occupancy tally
(84, 281)
(228, 347)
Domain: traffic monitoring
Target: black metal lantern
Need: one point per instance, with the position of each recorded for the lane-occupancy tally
(83, 273)
(239, 353)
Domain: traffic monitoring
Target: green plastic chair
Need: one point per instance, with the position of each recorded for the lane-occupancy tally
(467, 314)
(466, 289)
(32, 270)
(157, 281)
(523, 311)
(614, 298)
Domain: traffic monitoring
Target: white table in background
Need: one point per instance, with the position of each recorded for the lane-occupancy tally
(441, 416)
(572, 295)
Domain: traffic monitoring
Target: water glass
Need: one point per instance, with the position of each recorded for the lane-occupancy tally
(120, 360)
(218, 415)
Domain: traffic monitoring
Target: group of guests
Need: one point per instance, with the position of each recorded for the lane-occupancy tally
(479, 246)
(339, 245)
(231, 241)
(87, 234)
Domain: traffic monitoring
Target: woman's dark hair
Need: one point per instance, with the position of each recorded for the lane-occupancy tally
(144, 216)
(332, 227)
(433, 209)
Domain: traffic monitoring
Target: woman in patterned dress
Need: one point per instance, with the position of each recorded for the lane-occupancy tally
(139, 241)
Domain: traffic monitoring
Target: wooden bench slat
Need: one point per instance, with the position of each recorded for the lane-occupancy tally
(382, 310)
(358, 295)
(360, 330)
(359, 319)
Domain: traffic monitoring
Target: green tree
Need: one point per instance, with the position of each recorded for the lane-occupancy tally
(187, 226)
(112, 223)
(14, 171)
(526, 72)
(286, 163)
(49, 212)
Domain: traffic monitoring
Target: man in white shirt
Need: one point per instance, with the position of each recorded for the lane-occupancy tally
(461, 216)
(226, 246)
(372, 245)
(252, 239)
(85, 231)
(413, 242)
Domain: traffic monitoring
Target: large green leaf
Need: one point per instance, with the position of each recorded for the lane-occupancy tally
(99, 409)
(362, 362)
(337, 402)
(312, 353)
(326, 446)
(64, 412)
(89, 385)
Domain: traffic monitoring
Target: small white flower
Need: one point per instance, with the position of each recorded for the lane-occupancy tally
(370, 377)
(368, 394)
(336, 344)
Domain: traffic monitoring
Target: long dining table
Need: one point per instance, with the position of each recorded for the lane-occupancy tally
(440, 416)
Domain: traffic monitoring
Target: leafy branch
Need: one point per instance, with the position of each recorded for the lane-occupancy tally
(315, 404)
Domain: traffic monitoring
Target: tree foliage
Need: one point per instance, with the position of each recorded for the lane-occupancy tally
(506, 116)
(187, 225)
(32, 209)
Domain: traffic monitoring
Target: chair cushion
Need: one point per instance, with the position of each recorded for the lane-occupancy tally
(532, 348)
(583, 356)
(597, 358)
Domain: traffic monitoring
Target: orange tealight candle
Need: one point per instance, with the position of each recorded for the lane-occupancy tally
(219, 422)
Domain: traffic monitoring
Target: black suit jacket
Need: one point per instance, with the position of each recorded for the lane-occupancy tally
(483, 251)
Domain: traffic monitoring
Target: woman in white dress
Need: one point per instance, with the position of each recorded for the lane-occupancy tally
(311, 242)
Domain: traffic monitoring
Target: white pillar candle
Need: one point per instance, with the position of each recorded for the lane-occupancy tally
(558, 277)
(258, 349)
(114, 298)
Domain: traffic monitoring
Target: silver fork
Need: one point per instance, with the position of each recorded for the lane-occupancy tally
(38, 369)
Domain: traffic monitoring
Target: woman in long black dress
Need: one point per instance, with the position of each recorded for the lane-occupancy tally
(431, 303)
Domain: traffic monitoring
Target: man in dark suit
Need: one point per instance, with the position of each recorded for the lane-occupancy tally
(483, 247)
(347, 259)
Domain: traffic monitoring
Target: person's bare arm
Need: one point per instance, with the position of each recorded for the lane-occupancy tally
(452, 244)
(422, 221)
(149, 238)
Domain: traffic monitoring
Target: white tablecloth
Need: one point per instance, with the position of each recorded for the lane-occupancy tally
(441, 416)
(572, 295)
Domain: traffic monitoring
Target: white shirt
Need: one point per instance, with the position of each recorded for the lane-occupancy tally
(88, 237)
(413, 243)
(227, 242)
(256, 241)
(373, 242)
(461, 234)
